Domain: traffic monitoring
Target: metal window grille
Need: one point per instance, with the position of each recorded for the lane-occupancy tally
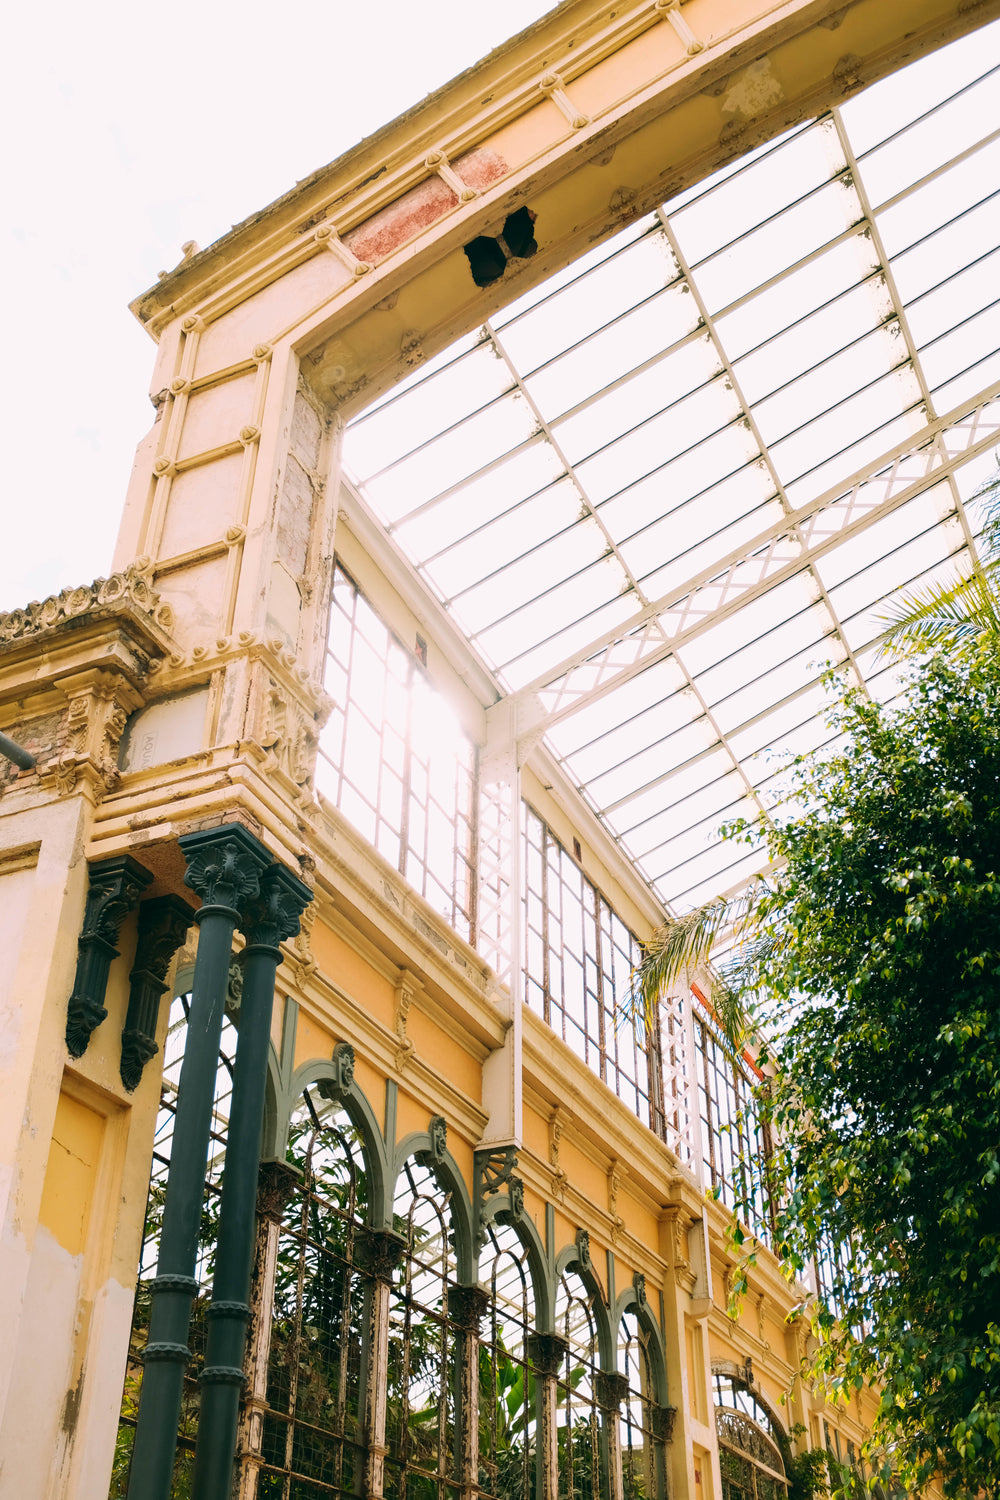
(507, 1416)
(749, 1452)
(173, 1057)
(638, 1441)
(579, 957)
(420, 1405)
(734, 1148)
(580, 1449)
(395, 762)
(312, 1432)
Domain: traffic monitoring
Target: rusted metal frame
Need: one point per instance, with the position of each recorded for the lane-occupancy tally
(277, 1183)
(383, 1250)
(546, 1352)
(469, 1305)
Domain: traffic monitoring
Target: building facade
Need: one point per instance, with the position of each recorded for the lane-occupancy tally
(288, 830)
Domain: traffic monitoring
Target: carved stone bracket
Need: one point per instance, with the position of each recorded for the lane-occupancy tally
(639, 1287)
(336, 1088)
(494, 1170)
(115, 885)
(582, 1239)
(616, 1176)
(437, 1129)
(163, 925)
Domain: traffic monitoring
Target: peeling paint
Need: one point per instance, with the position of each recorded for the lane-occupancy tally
(753, 91)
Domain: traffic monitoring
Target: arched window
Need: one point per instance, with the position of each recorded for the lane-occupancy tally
(578, 1423)
(420, 1411)
(507, 1386)
(640, 1460)
(313, 1425)
(750, 1455)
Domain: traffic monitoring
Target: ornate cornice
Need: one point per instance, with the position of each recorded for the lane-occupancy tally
(132, 586)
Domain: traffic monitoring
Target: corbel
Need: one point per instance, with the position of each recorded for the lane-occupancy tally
(337, 1088)
(406, 989)
(163, 926)
(616, 1176)
(560, 1177)
(115, 886)
(494, 1170)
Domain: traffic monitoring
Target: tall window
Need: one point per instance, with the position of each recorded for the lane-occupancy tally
(579, 956)
(731, 1132)
(394, 759)
(749, 1452)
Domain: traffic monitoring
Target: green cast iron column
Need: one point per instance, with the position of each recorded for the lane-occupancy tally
(268, 921)
(225, 866)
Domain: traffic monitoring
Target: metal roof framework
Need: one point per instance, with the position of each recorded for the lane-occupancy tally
(664, 490)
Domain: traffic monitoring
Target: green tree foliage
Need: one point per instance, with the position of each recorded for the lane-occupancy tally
(879, 950)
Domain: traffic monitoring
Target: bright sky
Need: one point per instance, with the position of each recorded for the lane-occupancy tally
(130, 129)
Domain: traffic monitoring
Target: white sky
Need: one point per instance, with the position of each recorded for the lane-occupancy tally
(129, 129)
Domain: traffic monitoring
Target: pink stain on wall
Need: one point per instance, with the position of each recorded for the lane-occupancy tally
(391, 227)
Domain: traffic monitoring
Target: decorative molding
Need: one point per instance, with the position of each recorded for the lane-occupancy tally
(582, 1239)
(551, 84)
(405, 991)
(546, 1352)
(115, 886)
(616, 1176)
(494, 1170)
(639, 1287)
(336, 1088)
(437, 1131)
(670, 10)
(610, 1388)
(560, 1178)
(163, 926)
(437, 161)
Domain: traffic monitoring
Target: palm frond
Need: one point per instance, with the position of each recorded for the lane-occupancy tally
(989, 494)
(944, 616)
(682, 944)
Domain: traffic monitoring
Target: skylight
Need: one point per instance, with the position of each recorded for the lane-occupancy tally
(661, 492)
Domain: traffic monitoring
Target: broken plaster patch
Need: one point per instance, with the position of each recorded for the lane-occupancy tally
(753, 91)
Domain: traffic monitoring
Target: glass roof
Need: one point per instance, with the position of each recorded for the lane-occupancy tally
(663, 490)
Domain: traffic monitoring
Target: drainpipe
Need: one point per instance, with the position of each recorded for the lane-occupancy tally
(267, 922)
(22, 758)
(225, 866)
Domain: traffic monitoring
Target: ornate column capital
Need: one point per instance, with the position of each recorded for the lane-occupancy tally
(276, 1182)
(610, 1388)
(468, 1306)
(224, 867)
(546, 1351)
(273, 914)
